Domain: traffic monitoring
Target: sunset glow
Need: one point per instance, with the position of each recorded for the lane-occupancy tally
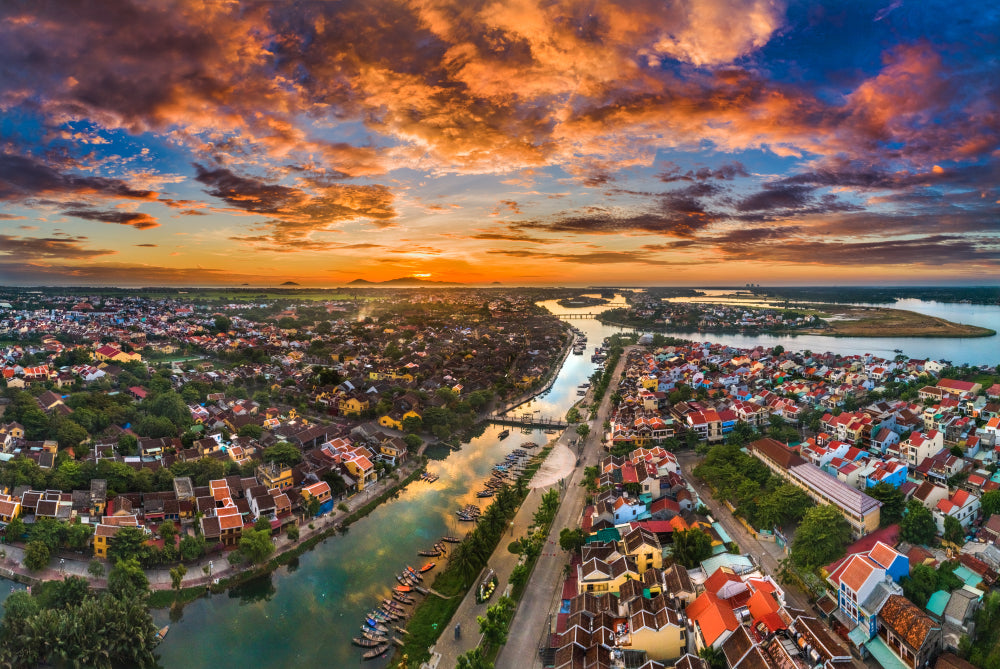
(571, 143)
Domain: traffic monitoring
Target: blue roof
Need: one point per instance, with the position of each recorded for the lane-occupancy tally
(937, 602)
(968, 576)
(741, 564)
(883, 655)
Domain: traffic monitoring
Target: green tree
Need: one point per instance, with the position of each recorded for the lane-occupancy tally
(412, 424)
(463, 561)
(292, 532)
(893, 502)
(251, 431)
(990, 503)
(127, 579)
(917, 525)
(15, 529)
(283, 453)
(192, 547)
(953, 530)
(571, 540)
(128, 444)
(78, 535)
(127, 544)
(493, 626)
(177, 576)
(36, 555)
(474, 659)
(583, 430)
(691, 547)
(96, 568)
(255, 545)
(821, 537)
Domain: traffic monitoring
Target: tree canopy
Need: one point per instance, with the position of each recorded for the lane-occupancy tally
(821, 537)
(917, 525)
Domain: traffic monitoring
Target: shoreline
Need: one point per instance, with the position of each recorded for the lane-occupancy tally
(981, 332)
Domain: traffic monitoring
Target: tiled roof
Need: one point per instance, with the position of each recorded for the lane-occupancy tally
(906, 620)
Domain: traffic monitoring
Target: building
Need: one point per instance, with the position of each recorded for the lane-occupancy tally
(906, 632)
(861, 511)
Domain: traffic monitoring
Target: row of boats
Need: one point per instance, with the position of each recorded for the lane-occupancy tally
(581, 341)
(376, 632)
(504, 473)
(430, 478)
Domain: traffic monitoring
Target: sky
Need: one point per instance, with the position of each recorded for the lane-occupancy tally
(527, 142)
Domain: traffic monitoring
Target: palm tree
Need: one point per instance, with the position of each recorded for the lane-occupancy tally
(463, 562)
(493, 521)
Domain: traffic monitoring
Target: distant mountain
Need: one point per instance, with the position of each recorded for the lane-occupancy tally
(403, 281)
(289, 283)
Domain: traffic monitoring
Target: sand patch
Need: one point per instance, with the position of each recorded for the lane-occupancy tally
(557, 466)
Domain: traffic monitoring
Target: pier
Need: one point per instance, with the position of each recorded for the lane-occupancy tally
(527, 420)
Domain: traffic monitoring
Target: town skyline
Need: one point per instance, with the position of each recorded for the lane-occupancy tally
(531, 144)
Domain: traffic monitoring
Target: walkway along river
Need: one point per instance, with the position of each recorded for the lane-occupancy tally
(305, 615)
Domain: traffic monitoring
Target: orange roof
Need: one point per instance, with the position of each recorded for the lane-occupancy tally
(761, 604)
(712, 616)
(231, 521)
(859, 568)
(719, 578)
(883, 554)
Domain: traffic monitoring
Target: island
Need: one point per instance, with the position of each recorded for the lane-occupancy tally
(744, 313)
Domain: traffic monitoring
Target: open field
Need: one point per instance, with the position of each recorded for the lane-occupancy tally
(851, 321)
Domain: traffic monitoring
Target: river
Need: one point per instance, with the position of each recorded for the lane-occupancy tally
(971, 350)
(305, 615)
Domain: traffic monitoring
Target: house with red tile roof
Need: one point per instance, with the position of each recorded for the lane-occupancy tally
(961, 505)
(712, 619)
(908, 633)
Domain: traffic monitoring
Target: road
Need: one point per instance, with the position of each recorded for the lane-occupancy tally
(530, 626)
(766, 553)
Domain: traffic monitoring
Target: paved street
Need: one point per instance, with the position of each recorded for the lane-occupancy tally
(766, 553)
(542, 598)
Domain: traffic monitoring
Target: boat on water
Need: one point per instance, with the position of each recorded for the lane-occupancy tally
(401, 630)
(434, 553)
(365, 643)
(451, 540)
(162, 632)
(403, 599)
(422, 591)
(427, 567)
(402, 588)
(504, 434)
(485, 493)
(375, 625)
(374, 635)
(375, 652)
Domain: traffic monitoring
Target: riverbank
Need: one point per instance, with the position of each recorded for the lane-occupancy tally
(844, 321)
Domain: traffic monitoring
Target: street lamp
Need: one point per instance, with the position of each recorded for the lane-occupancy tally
(211, 568)
(62, 566)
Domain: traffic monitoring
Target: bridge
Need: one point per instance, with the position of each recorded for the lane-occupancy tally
(528, 420)
(576, 317)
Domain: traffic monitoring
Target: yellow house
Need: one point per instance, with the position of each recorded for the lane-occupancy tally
(273, 475)
(102, 535)
(389, 421)
(643, 545)
(650, 382)
(405, 376)
(352, 405)
(654, 627)
(600, 577)
(10, 508)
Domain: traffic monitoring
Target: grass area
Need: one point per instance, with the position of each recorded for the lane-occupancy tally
(161, 599)
(885, 322)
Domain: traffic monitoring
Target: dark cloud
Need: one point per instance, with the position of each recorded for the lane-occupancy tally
(725, 172)
(23, 179)
(35, 248)
(135, 219)
(776, 197)
(639, 257)
(295, 213)
(148, 246)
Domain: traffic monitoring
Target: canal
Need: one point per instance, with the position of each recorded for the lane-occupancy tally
(304, 615)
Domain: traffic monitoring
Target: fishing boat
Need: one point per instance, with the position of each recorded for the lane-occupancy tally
(365, 643)
(374, 635)
(427, 567)
(403, 599)
(162, 632)
(504, 434)
(392, 605)
(434, 553)
(422, 591)
(451, 540)
(376, 625)
(401, 588)
(396, 640)
(402, 579)
(401, 630)
(377, 651)
(414, 573)
(485, 493)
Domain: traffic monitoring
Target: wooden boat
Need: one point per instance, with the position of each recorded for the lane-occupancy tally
(422, 591)
(374, 635)
(451, 540)
(365, 643)
(403, 599)
(434, 553)
(162, 632)
(427, 567)
(401, 588)
(414, 573)
(504, 434)
(396, 640)
(402, 579)
(375, 625)
(392, 605)
(401, 630)
(485, 493)
(376, 651)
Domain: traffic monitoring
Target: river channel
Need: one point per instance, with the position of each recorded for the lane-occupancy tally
(305, 615)
(971, 350)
